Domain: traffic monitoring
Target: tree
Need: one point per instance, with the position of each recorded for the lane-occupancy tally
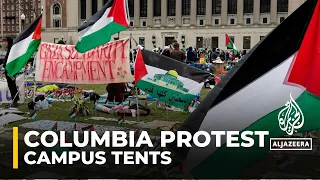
(28, 8)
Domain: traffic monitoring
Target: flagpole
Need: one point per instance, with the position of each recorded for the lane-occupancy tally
(24, 84)
(34, 79)
(138, 114)
(17, 94)
(136, 89)
(226, 55)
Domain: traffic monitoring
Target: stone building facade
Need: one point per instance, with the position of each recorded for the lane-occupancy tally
(196, 23)
(11, 10)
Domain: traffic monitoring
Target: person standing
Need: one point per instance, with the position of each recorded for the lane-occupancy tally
(214, 55)
(172, 45)
(166, 51)
(191, 56)
(177, 54)
(11, 80)
(117, 92)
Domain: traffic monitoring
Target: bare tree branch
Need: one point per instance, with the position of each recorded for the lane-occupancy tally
(207, 43)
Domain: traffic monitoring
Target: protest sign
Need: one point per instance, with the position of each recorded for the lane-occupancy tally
(109, 63)
(5, 95)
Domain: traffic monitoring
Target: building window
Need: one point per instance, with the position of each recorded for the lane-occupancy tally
(199, 42)
(56, 21)
(141, 41)
(94, 6)
(156, 8)
(83, 9)
(248, 6)
(215, 42)
(282, 6)
(261, 38)
(216, 21)
(216, 7)
(144, 23)
(282, 19)
(201, 22)
(265, 6)
(231, 21)
(248, 21)
(265, 20)
(131, 24)
(131, 7)
(201, 7)
(143, 8)
(232, 6)
(56, 40)
(186, 4)
(56, 9)
(246, 42)
(171, 7)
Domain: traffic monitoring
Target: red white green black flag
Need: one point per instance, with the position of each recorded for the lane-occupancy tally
(24, 47)
(231, 45)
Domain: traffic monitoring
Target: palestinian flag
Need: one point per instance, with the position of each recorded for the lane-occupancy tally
(91, 128)
(55, 127)
(111, 19)
(138, 132)
(24, 47)
(231, 45)
(121, 120)
(157, 104)
(168, 80)
(279, 75)
(73, 115)
(34, 116)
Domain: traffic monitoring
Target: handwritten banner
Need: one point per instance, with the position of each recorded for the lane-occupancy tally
(5, 95)
(109, 63)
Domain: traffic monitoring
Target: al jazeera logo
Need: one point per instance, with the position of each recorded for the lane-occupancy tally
(291, 119)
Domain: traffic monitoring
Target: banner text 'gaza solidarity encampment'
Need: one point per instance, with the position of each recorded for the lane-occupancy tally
(63, 64)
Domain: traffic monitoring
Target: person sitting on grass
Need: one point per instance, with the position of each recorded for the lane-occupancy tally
(117, 92)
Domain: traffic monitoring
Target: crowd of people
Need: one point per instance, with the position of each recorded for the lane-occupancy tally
(194, 55)
(174, 51)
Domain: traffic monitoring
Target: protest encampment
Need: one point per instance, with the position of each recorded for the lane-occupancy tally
(233, 93)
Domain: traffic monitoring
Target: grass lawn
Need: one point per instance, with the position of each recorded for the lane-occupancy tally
(60, 111)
